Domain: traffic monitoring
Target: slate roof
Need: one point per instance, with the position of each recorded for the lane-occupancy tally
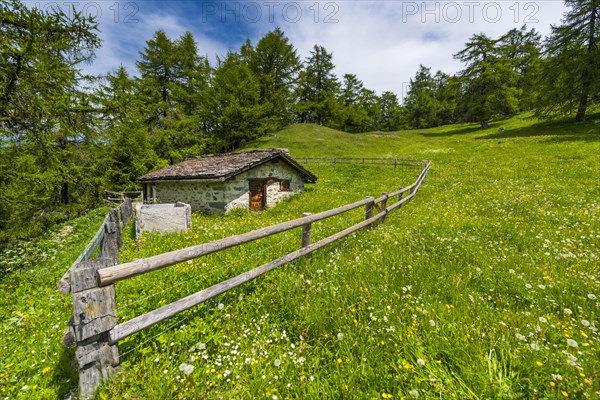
(223, 166)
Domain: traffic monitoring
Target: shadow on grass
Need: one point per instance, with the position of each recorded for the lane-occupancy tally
(453, 131)
(562, 130)
(65, 377)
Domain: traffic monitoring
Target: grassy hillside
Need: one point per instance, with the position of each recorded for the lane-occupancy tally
(486, 285)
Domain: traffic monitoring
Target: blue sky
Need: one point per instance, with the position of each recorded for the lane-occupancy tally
(382, 42)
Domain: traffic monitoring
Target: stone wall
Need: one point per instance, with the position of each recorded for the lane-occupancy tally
(232, 193)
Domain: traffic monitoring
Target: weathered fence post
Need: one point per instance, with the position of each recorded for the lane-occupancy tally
(383, 206)
(369, 208)
(126, 210)
(306, 231)
(94, 315)
(112, 237)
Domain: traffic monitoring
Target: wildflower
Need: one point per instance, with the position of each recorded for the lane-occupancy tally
(25, 387)
(414, 393)
(552, 384)
(585, 322)
(431, 322)
(565, 394)
(528, 286)
(534, 346)
(567, 311)
(186, 368)
(591, 296)
(201, 346)
(539, 363)
(420, 361)
(520, 337)
(339, 360)
(543, 320)
(156, 360)
(277, 362)
(221, 306)
(572, 343)
(340, 336)
(542, 287)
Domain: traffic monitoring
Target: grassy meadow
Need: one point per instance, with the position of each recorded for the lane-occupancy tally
(485, 286)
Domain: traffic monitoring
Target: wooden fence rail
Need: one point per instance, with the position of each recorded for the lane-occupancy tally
(93, 327)
(396, 162)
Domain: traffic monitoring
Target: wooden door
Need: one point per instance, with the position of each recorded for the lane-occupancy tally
(257, 195)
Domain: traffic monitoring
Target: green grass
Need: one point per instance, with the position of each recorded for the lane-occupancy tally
(478, 288)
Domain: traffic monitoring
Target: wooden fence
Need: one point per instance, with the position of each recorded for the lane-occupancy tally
(119, 197)
(93, 329)
(396, 162)
(91, 306)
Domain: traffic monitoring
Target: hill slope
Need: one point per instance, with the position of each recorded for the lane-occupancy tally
(486, 285)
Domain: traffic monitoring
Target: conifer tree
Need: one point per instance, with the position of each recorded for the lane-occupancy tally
(572, 69)
(276, 65)
(317, 88)
(45, 118)
(488, 81)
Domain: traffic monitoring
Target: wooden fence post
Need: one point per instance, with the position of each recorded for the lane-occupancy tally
(383, 206)
(126, 210)
(369, 208)
(306, 231)
(94, 315)
(112, 237)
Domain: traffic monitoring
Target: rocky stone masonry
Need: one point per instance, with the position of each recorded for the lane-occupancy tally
(231, 193)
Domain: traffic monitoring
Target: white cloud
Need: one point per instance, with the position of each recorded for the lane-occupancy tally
(382, 42)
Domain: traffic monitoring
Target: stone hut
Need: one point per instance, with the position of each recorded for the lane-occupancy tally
(217, 183)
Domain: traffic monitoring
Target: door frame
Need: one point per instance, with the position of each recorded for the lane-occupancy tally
(263, 192)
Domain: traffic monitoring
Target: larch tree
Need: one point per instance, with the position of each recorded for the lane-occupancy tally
(317, 88)
(45, 118)
(488, 81)
(571, 70)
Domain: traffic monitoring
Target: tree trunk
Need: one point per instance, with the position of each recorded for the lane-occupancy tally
(586, 74)
(484, 125)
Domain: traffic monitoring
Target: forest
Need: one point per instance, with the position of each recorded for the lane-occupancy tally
(65, 135)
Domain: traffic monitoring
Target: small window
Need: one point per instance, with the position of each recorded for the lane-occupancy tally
(284, 185)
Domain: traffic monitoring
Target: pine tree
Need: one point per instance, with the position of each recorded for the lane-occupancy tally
(351, 115)
(276, 65)
(45, 118)
(572, 69)
(127, 152)
(488, 81)
(522, 48)
(390, 111)
(235, 112)
(420, 102)
(317, 88)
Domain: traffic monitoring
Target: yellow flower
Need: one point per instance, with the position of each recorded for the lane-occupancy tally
(339, 360)
(46, 370)
(565, 393)
(552, 384)
(539, 363)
